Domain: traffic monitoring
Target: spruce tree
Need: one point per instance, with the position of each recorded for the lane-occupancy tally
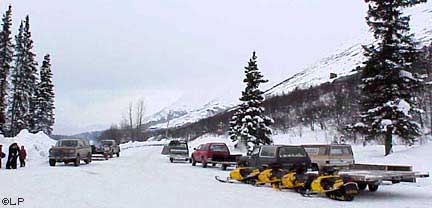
(249, 127)
(30, 75)
(44, 111)
(6, 56)
(388, 78)
(18, 103)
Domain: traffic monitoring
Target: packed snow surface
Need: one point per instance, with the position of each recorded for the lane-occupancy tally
(142, 177)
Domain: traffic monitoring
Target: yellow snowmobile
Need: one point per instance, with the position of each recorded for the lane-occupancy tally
(242, 174)
(272, 176)
(332, 185)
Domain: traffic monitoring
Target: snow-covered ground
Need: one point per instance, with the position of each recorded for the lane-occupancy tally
(142, 177)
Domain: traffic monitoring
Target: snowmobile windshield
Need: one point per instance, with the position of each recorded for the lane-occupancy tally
(218, 148)
(287, 152)
(67, 143)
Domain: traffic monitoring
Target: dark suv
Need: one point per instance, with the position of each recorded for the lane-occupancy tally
(284, 156)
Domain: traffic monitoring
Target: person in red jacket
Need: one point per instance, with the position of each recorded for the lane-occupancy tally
(22, 156)
(2, 155)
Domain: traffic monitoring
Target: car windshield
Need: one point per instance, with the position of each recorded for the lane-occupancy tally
(67, 143)
(218, 148)
(180, 146)
(340, 151)
(285, 152)
(109, 143)
(268, 151)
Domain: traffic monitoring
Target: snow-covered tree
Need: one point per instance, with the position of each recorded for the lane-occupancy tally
(6, 56)
(30, 74)
(388, 79)
(44, 106)
(249, 127)
(18, 103)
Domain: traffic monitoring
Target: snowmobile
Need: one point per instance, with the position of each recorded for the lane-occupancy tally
(242, 174)
(332, 185)
(272, 176)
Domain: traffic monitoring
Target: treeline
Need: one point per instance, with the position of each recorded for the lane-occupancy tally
(334, 104)
(26, 93)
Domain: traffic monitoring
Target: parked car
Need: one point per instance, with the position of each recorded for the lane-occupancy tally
(99, 150)
(113, 147)
(70, 151)
(330, 155)
(214, 153)
(284, 156)
(178, 151)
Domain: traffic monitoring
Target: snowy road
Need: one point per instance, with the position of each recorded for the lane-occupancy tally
(141, 177)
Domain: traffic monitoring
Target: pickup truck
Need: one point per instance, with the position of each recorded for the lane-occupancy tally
(365, 175)
(113, 147)
(214, 153)
(284, 156)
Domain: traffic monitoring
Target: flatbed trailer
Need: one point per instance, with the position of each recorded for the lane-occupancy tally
(341, 157)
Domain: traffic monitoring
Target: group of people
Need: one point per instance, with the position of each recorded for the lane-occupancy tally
(15, 153)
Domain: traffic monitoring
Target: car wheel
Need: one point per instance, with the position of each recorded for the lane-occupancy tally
(361, 186)
(88, 160)
(77, 161)
(118, 154)
(224, 167)
(204, 163)
(105, 156)
(171, 160)
(111, 155)
(193, 161)
(52, 162)
(373, 188)
(66, 162)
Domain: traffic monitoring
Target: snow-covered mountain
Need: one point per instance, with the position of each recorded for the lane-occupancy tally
(190, 108)
(343, 61)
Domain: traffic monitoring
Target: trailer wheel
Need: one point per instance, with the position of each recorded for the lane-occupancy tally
(362, 186)
(373, 188)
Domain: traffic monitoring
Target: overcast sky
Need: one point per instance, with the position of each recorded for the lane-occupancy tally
(106, 53)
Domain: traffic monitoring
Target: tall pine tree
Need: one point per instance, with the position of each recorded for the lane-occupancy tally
(18, 100)
(30, 75)
(6, 56)
(249, 127)
(388, 79)
(44, 111)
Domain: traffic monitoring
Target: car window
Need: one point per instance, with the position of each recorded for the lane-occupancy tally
(200, 147)
(340, 151)
(268, 151)
(109, 143)
(218, 148)
(67, 143)
(285, 152)
(312, 150)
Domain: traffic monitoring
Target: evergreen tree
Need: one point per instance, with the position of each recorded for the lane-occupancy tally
(249, 127)
(18, 103)
(44, 111)
(388, 78)
(30, 75)
(6, 56)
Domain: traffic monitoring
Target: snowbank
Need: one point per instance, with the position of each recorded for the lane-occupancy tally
(37, 145)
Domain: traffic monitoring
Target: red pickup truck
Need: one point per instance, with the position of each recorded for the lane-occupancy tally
(214, 153)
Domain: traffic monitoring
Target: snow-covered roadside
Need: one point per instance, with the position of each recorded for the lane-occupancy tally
(37, 145)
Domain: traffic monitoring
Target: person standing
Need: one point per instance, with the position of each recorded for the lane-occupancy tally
(12, 156)
(2, 155)
(22, 156)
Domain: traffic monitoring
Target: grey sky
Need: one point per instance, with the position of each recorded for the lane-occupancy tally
(108, 52)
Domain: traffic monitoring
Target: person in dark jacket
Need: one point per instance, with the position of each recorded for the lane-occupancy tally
(2, 155)
(12, 156)
(22, 156)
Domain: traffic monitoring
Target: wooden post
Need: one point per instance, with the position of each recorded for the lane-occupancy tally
(388, 140)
